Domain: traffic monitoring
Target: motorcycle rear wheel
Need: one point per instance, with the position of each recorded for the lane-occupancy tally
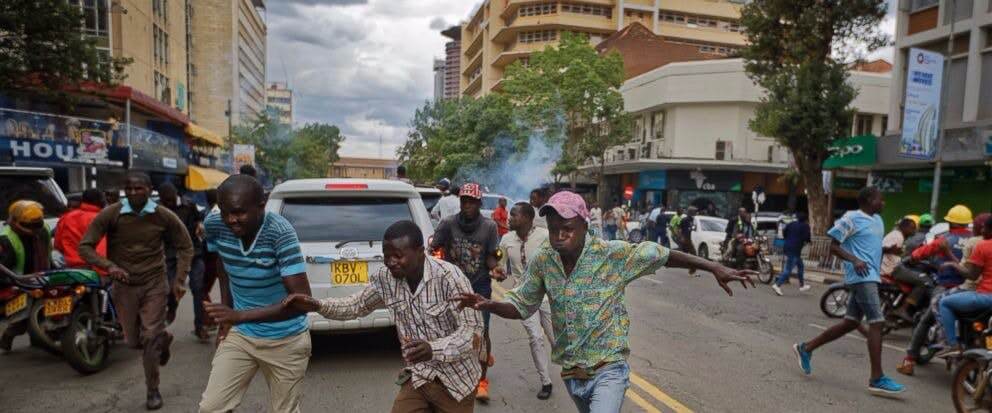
(963, 387)
(766, 271)
(45, 340)
(833, 303)
(84, 346)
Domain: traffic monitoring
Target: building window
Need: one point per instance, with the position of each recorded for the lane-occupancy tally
(658, 125)
(587, 9)
(646, 150)
(862, 125)
(537, 9)
(885, 123)
(632, 154)
(922, 4)
(95, 17)
(722, 150)
(639, 128)
(538, 36)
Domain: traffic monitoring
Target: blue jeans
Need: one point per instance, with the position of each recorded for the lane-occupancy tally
(792, 261)
(611, 232)
(963, 302)
(864, 303)
(604, 392)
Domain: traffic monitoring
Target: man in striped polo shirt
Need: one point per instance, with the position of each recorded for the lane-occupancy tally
(262, 264)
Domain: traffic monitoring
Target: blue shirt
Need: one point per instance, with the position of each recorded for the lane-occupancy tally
(255, 274)
(795, 235)
(148, 209)
(861, 235)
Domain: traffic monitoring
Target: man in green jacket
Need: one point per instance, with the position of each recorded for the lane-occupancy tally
(25, 248)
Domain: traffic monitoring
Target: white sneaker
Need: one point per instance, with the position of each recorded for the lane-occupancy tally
(805, 288)
(777, 289)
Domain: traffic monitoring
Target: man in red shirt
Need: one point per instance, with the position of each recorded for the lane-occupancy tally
(502, 217)
(73, 225)
(979, 266)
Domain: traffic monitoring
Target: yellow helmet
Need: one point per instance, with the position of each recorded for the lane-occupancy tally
(914, 218)
(959, 214)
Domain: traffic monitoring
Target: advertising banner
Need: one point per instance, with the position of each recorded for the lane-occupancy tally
(920, 118)
(243, 155)
(855, 151)
(49, 138)
(157, 152)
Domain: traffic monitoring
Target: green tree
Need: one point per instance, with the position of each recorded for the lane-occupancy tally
(315, 148)
(799, 51)
(42, 47)
(449, 136)
(572, 93)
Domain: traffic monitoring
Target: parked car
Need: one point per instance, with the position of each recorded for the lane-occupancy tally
(707, 236)
(35, 184)
(340, 223)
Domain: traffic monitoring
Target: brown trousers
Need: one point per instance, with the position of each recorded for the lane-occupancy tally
(141, 311)
(430, 398)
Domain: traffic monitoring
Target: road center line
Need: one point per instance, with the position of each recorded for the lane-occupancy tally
(856, 337)
(636, 379)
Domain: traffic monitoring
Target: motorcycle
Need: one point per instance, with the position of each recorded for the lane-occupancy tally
(15, 302)
(72, 314)
(892, 293)
(971, 388)
(751, 257)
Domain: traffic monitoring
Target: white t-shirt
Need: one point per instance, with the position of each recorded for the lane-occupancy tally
(654, 214)
(891, 261)
(447, 206)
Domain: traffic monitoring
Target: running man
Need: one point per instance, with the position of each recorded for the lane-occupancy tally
(857, 239)
(518, 247)
(440, 341)
(470, 241)
(584, 278)
(261, 265)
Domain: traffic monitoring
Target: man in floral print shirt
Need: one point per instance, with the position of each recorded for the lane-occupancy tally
(584, 278)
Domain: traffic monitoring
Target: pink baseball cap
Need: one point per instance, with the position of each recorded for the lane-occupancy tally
(470, 190)
(567, 204)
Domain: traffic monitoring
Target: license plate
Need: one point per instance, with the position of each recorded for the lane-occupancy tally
(349, 272)
(58, 306)
(15, 305)
(988, 342)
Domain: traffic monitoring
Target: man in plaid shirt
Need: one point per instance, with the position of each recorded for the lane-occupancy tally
(440, 341)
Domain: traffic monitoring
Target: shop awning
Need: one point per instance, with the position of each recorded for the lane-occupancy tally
(204, 134)
(202, 179)
(850, 152)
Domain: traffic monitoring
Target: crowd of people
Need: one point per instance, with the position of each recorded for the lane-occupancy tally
(569, 285)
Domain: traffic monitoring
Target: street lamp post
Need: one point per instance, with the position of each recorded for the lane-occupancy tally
(942, 115)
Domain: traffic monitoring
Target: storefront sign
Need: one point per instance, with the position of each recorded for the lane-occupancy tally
(157, 152)
(652, 180)
(704, 180)
(855, 151)
(988, 145)
(922, 104)
(49, 138)
(243, 155)
(886, 184)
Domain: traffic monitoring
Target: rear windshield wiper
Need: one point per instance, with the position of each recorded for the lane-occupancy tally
(343, 243)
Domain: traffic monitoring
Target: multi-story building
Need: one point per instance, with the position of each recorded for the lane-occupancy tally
(967, 107)
(280, 102)
(500, 32)
(438, 79)
(452, 62)
(691, 138)
(229, 62)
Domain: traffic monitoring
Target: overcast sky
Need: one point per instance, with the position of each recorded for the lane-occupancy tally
(364, 65)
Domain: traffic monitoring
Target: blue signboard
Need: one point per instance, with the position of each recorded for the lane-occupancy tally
(652, 180)
(157, 151)
(48, 138)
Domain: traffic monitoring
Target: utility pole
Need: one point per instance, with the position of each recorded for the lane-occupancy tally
(942, 115)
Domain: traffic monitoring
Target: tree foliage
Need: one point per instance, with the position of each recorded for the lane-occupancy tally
(42, 47)
(448, 136)
(572, 92)
(283, 153)
(799, 51)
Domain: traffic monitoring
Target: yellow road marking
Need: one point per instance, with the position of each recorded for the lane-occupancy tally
(638, 400)
(636, 380)
(658, 394)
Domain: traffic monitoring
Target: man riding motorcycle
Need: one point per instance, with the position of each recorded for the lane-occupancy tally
(737, 230)
(25, 248)
(977, 267)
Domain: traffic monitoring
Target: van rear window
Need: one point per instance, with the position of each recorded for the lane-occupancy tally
(344, 219)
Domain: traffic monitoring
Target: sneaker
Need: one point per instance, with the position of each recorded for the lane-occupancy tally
(482, 392)
(545, 392)
(154, 401)
(778, 290)
(885, 387)
(804, 358)
(906, 366)
(805, 288)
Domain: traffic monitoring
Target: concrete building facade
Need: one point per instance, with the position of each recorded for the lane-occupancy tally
(500, 32)
(452, 62)
(439, 69)
(229, 48)
(279, 98)
(691, 134)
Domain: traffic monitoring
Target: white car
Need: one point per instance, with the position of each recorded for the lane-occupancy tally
(490, 202)
(430, 197)
(340, 223)
(35, 184)
(707, 235)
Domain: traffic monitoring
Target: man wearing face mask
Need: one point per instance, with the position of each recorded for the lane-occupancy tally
(24, 249)
(585, 279)
(470, 241)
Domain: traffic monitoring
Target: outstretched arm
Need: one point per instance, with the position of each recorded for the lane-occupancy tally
(723, 275)
(478, 302)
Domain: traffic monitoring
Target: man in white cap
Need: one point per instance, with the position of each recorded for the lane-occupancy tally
(584, 278)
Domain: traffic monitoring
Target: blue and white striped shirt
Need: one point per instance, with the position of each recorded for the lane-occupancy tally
(255, 275)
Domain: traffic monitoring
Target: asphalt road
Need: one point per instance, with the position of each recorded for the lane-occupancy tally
(692, 349)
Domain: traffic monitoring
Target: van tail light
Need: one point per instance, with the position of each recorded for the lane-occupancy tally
(345, 187)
